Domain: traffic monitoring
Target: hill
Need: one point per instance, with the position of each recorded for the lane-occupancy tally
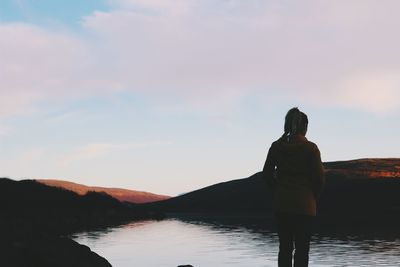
(363, 190)
(123, 195)
(35, 218)
(53, 209)
(364, 168)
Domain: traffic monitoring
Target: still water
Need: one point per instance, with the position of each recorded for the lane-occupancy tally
(174, 242)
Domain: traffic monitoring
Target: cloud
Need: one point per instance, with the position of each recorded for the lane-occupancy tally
(5, 130)
(39, 65)
(176, 7)
(287, 48)
(378, 92)
(97, 150)
(89, 151)
(31, 66)
(33, 155)
(209, 54)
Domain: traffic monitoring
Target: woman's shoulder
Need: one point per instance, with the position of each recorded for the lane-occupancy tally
(312, 146)
(278, 142)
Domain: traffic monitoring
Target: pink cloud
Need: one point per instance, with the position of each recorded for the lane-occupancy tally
(38, 65)
(209, 54)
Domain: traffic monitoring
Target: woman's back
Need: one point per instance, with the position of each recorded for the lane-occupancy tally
(298, 175)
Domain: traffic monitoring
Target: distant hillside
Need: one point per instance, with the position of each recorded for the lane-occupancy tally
(118, 193)
(364, 168)
(364, 188)
(59, 209)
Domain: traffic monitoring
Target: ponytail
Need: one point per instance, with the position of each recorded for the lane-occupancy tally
(295, 122)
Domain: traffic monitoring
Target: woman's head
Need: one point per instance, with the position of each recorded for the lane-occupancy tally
(296, 122)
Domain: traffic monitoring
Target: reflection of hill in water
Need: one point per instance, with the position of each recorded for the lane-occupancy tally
(362, 191)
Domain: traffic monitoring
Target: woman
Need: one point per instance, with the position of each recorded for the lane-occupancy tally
(294, 171)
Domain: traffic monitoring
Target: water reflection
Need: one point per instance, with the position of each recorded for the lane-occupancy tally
(211, 243)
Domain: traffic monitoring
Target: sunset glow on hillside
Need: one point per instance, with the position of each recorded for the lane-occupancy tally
(118, 193)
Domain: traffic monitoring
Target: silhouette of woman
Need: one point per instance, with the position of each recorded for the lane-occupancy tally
(293, 169)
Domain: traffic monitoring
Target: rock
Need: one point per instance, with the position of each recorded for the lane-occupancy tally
(49, 251)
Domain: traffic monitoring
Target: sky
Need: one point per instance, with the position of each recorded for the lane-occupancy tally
(169, 96)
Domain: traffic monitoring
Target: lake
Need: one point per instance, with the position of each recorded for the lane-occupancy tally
(173, 242)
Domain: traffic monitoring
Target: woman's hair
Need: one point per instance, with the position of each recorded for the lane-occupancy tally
(295, 122)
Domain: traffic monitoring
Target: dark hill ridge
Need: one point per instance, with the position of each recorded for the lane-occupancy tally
(59, 211)
(241, 195)
(366, 190)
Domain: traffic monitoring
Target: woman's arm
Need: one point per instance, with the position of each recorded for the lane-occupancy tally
(269, 171)
(317, 175)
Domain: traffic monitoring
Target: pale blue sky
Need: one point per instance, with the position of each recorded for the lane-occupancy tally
(168, 96)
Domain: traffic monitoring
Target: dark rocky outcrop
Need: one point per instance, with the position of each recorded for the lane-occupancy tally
(35, 218)
(48, 251)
